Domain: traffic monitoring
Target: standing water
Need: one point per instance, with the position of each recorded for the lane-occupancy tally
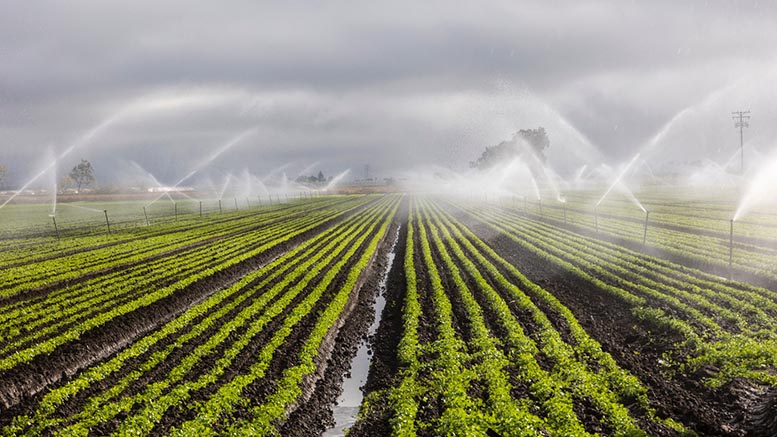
(347, 407)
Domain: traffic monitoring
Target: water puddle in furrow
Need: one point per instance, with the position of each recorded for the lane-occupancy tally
(347, 407)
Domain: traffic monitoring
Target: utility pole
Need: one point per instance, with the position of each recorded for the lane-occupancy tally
(740, 119)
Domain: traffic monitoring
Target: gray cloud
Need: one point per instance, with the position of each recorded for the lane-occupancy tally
(391, 84)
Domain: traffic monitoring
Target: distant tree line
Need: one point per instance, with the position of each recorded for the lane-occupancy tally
(313, 180)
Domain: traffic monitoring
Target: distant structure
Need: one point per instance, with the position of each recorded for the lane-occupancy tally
(169, 189)
(740, 121)
(366, 171)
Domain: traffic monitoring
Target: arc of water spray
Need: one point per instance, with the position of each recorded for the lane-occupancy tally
(201, 165)
(84, 139)
(544, 170)
(224, 187)
(308, 168)
(336, 179)
(274, 172)
(156, 181)
(618, 180)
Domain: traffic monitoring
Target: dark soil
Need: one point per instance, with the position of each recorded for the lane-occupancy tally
(41, 292)
(709, 267)
(316, 416)
(385, 365)
(636, 347)
(24, 381)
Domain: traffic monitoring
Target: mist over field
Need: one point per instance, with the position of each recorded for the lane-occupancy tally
(495, 218)
(394, 86)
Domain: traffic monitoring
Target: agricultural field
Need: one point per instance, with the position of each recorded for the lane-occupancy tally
(501, 318)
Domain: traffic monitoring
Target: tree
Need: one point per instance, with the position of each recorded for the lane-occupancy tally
(82, 174)
(320, 176)
(525, 141)
(537, 139)
(3, 174)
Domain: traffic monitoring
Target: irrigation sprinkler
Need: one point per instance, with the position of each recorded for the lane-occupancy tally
(259, 198)
(248, 203)
(287, 197)
(269, 196)
(539, 204)
(175, 210)
(200, 208)
(107, 222)
(596, 219)
(644, 234)
(236, 208)
(145, 214)
(56, 229)
(731, 248)
(221, 211)
(565, 213)
(525, 205)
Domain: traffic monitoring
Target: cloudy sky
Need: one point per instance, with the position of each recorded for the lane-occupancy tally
(394, 85)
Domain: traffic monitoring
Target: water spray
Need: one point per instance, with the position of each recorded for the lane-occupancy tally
(565, 213)
(146, 216)
(644, 234)
(619, 178)
(107, 222)
(236, 208)
(221, 211)
(84, 139)
(248, 203)
(201, 165)
(259, 198)
(731, 249)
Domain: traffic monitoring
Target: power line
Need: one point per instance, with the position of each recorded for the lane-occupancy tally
(740, 118)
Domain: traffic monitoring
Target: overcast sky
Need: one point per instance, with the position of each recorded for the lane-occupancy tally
(393, 84)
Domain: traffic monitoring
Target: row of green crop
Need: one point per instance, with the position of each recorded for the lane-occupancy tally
(145, 297)
(720, 303)
(82, 219)
(31, 275)
(699, 239)
(39, 247)
(66, 296)
(466, 352)
(749, 308)
(73, 299)
(74, 304)
(154, 399)
(274, 409)
(731, 326)
(608, 387)
(232, 317)
(82, 301)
